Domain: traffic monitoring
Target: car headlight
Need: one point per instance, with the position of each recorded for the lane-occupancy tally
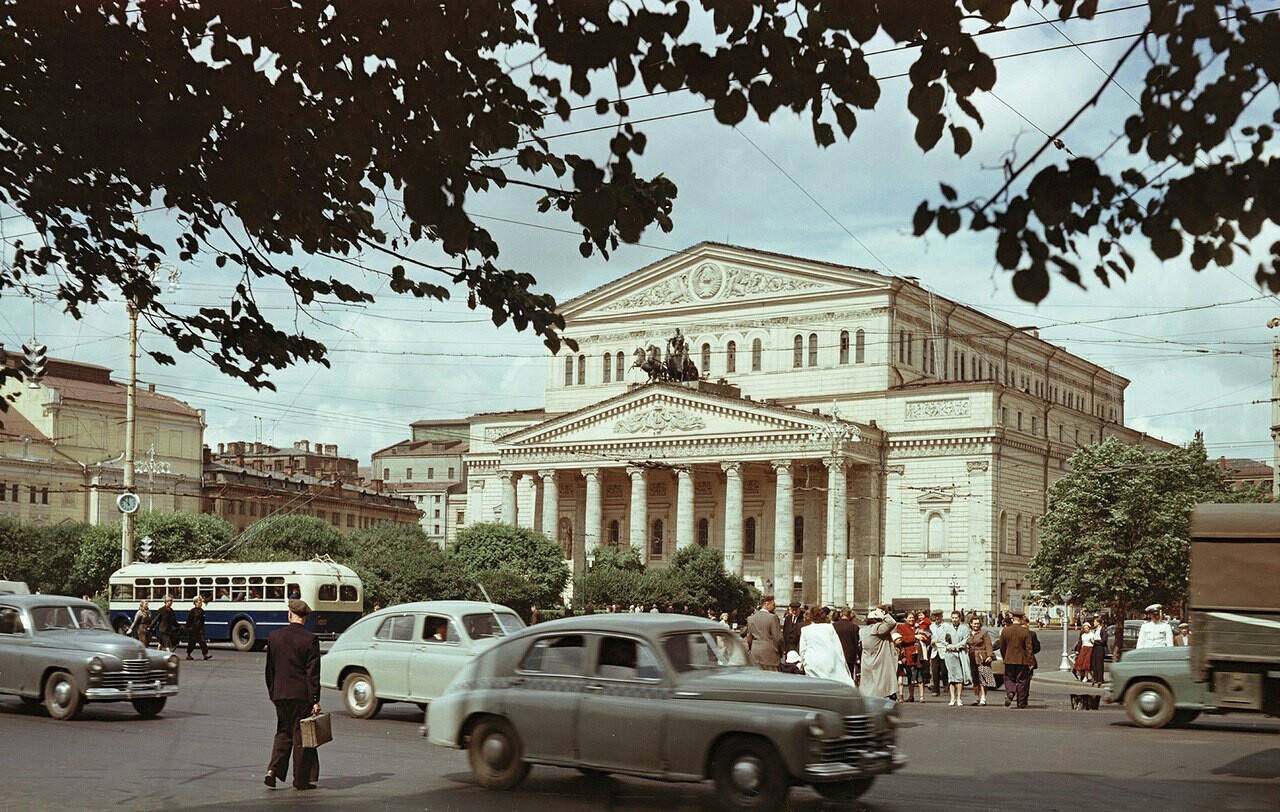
(819, 726)
(172, 662)
(95, 665)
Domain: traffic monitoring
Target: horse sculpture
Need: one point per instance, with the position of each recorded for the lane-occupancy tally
(677, 366)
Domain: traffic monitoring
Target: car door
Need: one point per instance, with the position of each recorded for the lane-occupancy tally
(14, 643)
(542, 701)
(387, 657)
(622, 713)
(437, 658)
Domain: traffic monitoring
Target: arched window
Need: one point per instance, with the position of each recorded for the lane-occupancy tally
(860, 346)
(797, 352)
(614, 530)
(1017, 536)
(620, 367)
(1003, 530)
(911, 344)
(902, 346)
(813, 349)
(1035, 540)
(731, 357)
(655, 539)
(606, 372)
(844, 346)
(566, 537)
(757, 354)
(935, 535)
(582, 370)
(706, 359)
(749, 537)
(798, 525)
(704, 532)
(568, 370)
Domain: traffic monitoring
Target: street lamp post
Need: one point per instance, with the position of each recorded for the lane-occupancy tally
(954, 593)
(1066, 664)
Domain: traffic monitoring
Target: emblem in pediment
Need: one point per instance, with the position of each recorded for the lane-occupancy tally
(709, 282)
(659, 419)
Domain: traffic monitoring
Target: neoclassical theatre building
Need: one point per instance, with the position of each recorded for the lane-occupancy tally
(849, 438)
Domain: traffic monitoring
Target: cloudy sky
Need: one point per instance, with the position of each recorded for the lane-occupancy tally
(765, 186)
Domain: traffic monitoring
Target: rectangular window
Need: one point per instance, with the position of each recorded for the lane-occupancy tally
(327, 592)
(451, 473)
(399, 627)
(461, 516)
(556, 655)
(348, 593)
(13, 491)
(568, 371)
(1019, 421)
(386, 474)
(4, 490)
(408, 474)
(1033, 424)
(1004, 416)
(32, 493)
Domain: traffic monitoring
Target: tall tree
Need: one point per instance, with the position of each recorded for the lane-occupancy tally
(1117, 530)
(272, 130)
(399, 563)
(506, 558)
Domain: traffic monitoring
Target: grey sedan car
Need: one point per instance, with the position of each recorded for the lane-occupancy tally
(661, 696)
(60, 652)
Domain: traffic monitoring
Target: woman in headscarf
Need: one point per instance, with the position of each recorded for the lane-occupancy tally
(879, 656)
(820, 649)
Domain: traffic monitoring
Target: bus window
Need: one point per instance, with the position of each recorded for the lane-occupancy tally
(206, 581)
(255, 593)
(294, 593)
(206, 592)
(327, 592)
(222, 580)
(275, 592)
(348, 593)
(255, 580)
(189, 592)
(239, 591)
(122, 592)
(158, 592)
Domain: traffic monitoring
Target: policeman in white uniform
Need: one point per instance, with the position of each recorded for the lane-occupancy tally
(1155, 632)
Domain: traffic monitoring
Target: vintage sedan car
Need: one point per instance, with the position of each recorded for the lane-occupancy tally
(1156, 687)
(661, 696)
(61, 652)
(410, 652)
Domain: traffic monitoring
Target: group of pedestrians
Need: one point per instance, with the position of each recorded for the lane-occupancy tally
(896, 659)
(163, 627)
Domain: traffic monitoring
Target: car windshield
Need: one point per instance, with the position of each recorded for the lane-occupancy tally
(689, 651)
(52, 618)
(479, 626)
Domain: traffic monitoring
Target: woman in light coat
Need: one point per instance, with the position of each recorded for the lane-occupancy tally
(820, 651)
(952, 638)
(879, 656)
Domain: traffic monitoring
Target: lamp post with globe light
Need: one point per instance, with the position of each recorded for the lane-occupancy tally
(1066, 664)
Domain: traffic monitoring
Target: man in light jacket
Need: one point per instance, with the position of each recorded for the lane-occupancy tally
(879, 655)
(764, 636)
(1155, 631)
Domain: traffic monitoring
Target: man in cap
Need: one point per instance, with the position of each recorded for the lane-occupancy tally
(1155, 632)
(293, 684)
(1016, 647)
(791, 626)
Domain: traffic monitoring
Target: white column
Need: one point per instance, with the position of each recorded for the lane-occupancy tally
(732, 517)
(508, 496)
(783, 534)
(684, 508)
(527, 501)
(550, 504)
(895, 495)
(837, 531)
(595, 507)
(639, 509)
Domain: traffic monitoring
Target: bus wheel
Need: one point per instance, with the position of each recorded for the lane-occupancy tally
(243, 637)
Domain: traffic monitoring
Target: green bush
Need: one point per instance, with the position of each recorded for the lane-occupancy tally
(400, 564)
(501, 555)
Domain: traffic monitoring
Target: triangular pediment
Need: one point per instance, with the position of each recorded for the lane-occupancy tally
(667, 412)
(714, 275)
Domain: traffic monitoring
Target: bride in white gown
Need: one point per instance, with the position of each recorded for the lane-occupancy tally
(820, 651)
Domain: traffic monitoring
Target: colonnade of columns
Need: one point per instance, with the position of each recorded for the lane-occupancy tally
(832, 572)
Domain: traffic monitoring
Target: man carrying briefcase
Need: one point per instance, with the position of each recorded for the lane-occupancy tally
(293, 684)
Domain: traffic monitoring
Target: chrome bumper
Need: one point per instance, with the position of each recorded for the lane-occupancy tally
(136, 691)
(871, 762)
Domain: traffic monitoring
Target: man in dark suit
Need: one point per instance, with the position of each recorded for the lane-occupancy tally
(293, 684)
(1019, 659)
(847, 631)
(791, 626)
(764, 636)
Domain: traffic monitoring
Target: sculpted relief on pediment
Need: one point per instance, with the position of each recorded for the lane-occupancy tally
(710, 282)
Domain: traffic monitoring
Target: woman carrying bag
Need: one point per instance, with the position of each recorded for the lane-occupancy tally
(980, 657)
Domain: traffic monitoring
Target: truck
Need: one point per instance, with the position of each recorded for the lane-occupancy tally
(1232, 663)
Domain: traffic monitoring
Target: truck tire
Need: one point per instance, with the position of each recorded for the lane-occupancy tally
(1150, 704)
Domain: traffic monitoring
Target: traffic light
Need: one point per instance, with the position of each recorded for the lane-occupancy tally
(36, 362)
(145, 548)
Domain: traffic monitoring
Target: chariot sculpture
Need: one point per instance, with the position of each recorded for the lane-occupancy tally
(675, 366)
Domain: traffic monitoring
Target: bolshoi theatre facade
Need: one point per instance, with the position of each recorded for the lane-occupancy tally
(844, 437)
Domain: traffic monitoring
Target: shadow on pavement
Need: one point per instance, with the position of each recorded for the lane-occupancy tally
(1262, 764)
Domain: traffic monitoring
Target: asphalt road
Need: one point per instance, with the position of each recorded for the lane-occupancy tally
(209, 749)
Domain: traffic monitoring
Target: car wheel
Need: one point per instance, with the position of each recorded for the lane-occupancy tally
(149, 707)
(243, 636)
(749, 775)
(1183, 718)
(1149, 704)
(496, 754)
(62, 697)
(844, 790)
(359, 696)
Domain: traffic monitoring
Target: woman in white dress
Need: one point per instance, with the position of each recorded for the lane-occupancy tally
(820, 651)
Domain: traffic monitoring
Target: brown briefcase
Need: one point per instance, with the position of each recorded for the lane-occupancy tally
(316, 730)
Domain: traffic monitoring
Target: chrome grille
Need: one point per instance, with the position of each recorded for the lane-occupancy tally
(861, 745)
(133, 667)
(143, 678)
(857, 726)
